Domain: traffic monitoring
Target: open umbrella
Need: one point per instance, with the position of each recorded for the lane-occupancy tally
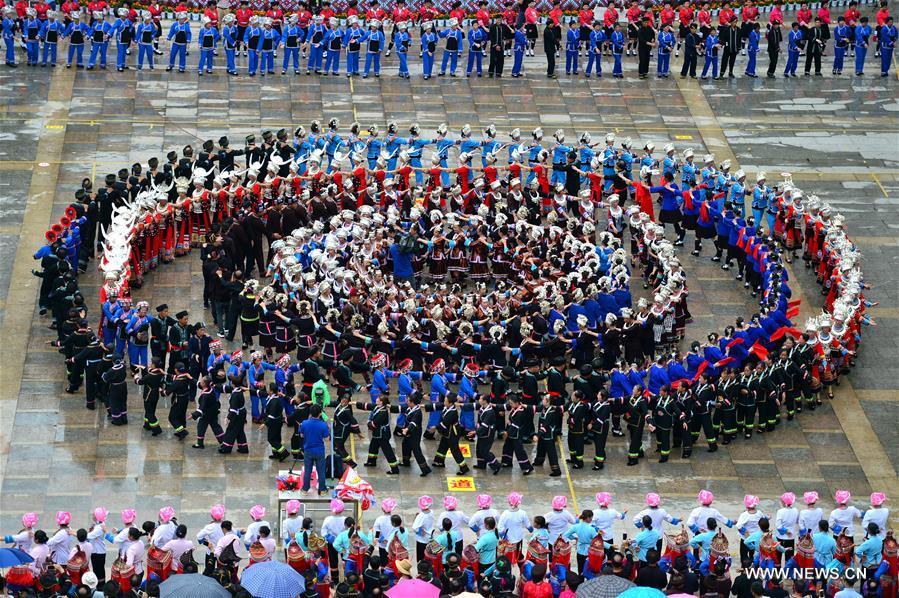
(12, 557)
(272, 580)
(413, 588)
(643, 592)
(604, 586)
(193, 585)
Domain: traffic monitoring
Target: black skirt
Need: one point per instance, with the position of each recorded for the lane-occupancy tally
(670, 216)
(689, 221)
(704, 232)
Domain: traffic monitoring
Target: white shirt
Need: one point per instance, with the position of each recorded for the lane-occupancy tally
(60, 546)
(225, 540)
(558, 522)
(22, 540)
(382, 528)
(513, 523)
(809, 518)
(211, 533)
(86, 548)
(603, 520)
(163, 533)
(40, 553)
(97, 538)
(253, 531)
(333, 526)
(134, 556)
(458, 518)
(845, 518)
(477, 520)
(423, 526)
(658, 516)
(749, 521)
(878, 515)
(700, 515)
(787, 517)
(289, 529)
(178, 547)
(123, 541)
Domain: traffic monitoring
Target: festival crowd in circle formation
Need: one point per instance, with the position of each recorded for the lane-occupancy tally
(368, 33)
(475, 288)
(790, 552)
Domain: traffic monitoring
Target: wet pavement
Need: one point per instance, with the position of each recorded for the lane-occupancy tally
(839, 138)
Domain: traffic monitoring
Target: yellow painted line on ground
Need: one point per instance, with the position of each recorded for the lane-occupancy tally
(353, 103)
(879, 184)
(567, 476)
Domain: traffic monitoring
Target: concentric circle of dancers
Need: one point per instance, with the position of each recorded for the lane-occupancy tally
(481, 552)
(468, 293)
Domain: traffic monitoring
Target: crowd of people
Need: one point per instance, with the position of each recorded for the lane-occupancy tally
(467, 293)
(492, 552)
(462, 40)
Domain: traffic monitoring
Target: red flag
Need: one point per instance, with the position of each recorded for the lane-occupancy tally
(724, 362)
(700, 370)
(736, 341)
(792, 312)
(759, 351)
(794, 332)
(688, 199)
(795, 303)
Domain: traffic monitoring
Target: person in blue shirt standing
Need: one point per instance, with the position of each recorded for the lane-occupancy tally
(9, 35)
(617, 41)
(594, 49)
(886, 38)
(665, 43)
(333, 45)
(314, 432)
(794, 48)
(519, 46)
(268, 41)
(428, 49)
(647, 539)
(584, 532)
(51, 31)
(122, 31)
(870, 553)
(711, 55)
(180, 37)
(31, 29)
(862, 35)
(842, 39)
(231, 39)
(416, 146)
(752, 50)
(207, 40)
(100, 33)
(560, 157)
(402, 263)
(572, 47)
(77, 33)
(146, 35)
(477, 36)
(291, 38)
(454, 38)
(403, 40)
(352, 40)
(373, 48)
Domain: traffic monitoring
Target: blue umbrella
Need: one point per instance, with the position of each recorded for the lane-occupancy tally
(272, 580)
(642, 592)
(12, 557)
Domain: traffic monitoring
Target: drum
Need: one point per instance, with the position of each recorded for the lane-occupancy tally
(596, 555)
(121, 572)
(396, 551)
(434, 553)
(805, 552)
(562, 552)
(471, 559)
(77, 566)
(356, 557)
(719, 548)
(537, 552)
(258, 553)
(20, 578)
(508, 550)
(768, 547)
(296, 558)
(159, 562)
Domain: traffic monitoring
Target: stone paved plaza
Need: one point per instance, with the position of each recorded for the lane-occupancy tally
(838, 137)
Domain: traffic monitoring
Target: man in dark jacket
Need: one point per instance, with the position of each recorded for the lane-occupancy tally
(692, 43)
(774, 37)
(550, 43)
(499, 33)
(730, 37)
(650, 575)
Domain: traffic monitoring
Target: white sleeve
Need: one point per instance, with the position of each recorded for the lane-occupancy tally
(691, 520)
(742, 519)
(96, 532)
